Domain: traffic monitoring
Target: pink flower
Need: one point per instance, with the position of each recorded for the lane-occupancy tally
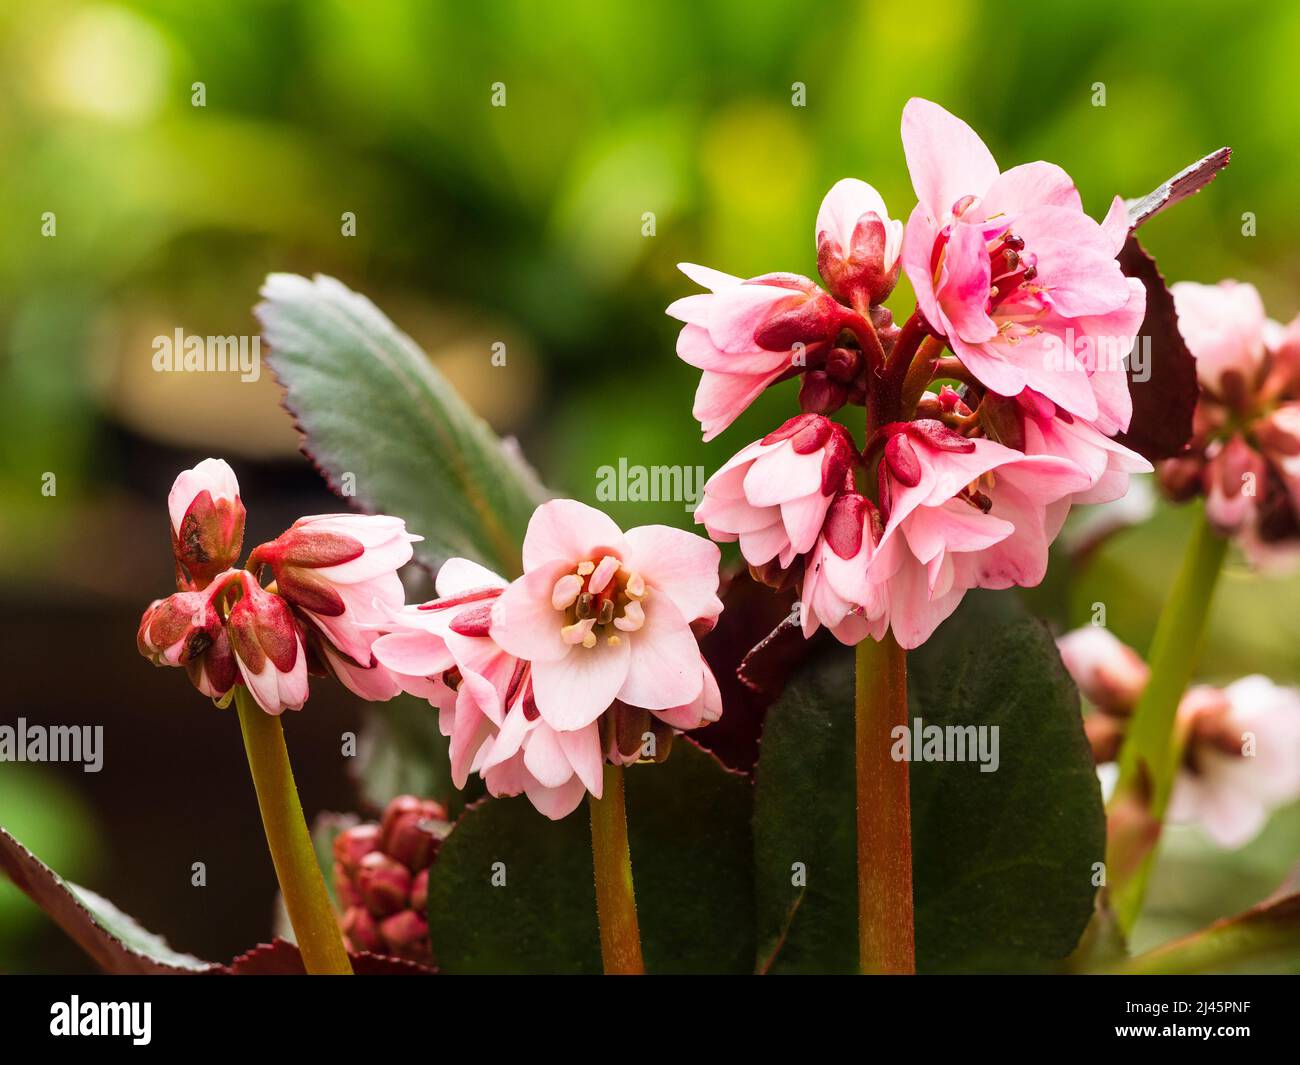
(553, 768)
(207, 522)
(858, 244)
(1109, 673)
(441, 651)
(836, 590)
(959, 514)
(1224, 326)
(340, 570)
(743, 336)
(1049, 430)
(773, 495)
(1242, 758)
(602, 615)
(268, 647)
(1007, 267)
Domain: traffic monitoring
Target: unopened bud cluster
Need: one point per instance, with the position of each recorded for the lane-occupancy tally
(381, 878)
(332, 576)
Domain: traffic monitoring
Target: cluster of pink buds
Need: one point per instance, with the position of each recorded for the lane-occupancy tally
(381, 878)
(591, 656)
(1241, 743)
(335, 576)
(971, 460)
(1244, 457)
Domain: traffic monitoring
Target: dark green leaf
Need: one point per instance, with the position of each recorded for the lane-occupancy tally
(115, 941)
(370, 404)
(1003, 861)
(690, 839)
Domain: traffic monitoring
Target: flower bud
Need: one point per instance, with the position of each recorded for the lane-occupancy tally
(353, 844)
(384, 883)
(361, 930)
(406, 935)
(1110, 674)
(177, 630)
(207, 522)
(858, 244)
(818, 394)
(420, 891)
(268, 649)
(408, 832)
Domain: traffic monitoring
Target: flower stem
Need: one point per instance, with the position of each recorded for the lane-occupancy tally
(319, 939)
(886, 937)
(1151, 752)
(620, 938)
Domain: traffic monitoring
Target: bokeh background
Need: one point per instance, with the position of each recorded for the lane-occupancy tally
(525, 225)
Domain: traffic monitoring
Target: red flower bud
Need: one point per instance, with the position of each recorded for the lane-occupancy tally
(361, 930)
(406, 935)
(384, 883)
(207, 523)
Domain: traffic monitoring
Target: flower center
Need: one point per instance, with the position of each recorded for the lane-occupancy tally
(599, 599)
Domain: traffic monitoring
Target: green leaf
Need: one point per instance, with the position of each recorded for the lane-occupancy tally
(1002, 861)
(114, 940)
(1265, 933)
(689, 832)
(371, 405)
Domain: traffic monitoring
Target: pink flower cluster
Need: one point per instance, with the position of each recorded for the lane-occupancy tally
(591, 655)
(1241, 743)
(334, 576)
(1244, 457)
(972, 461)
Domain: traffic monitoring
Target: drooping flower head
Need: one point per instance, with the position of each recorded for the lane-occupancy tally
(335, 578)
(538, 682)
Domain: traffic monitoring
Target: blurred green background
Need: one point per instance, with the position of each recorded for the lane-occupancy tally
(525, 225)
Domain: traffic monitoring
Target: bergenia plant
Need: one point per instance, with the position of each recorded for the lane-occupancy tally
(761, 731)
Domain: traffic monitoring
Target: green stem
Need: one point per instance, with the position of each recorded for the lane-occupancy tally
(886, 938)
(319, 939)
(620, 938)
(1151, 752)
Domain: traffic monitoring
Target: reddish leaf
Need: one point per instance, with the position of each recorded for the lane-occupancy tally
(281, 958)
(1165, 397)
(1183, 184)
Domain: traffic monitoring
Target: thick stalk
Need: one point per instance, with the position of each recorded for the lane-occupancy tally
(620, 938)
(1151, 752)
(886, 938)
(319, 940)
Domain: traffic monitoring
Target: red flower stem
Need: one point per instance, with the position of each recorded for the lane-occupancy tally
(620, 937)
(886, 389)
(301, 883)
(886, 936)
